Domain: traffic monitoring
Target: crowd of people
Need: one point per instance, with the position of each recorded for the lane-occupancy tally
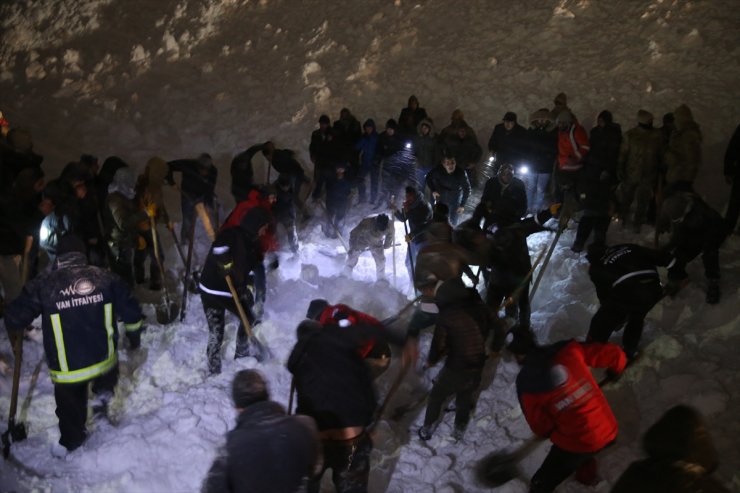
(85, 237)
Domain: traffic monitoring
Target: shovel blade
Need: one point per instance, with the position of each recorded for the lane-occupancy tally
(16, 432)
(167, 313)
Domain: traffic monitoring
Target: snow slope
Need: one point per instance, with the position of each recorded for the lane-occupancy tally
(176, 78)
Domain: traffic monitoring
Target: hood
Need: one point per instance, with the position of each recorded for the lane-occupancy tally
(681, 435)
(109, 168)
(453, 291)
(123, 183)
(156, 171)
(428, 122)
(254, 220)
(76, 171)
(606, 115)
(369, 123)
(684, 119)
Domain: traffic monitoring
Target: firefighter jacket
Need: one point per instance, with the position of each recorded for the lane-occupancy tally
(80, 305)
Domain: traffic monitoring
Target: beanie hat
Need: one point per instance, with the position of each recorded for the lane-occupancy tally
(248, 388)
(391, 124)
(315, 308)
(324, 119)
(561, 99)
(510, 116)
(381, 222)
(644, 117)
(71, 243)
(369, 123)
(414, 99)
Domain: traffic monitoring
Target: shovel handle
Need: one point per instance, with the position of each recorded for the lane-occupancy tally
(239, 307)
(201, 210)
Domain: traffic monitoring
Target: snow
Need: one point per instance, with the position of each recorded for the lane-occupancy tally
(176, 78)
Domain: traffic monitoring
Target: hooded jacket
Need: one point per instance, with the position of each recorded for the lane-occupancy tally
(683, 157)
(80, 305)
(426, 148)
(501, 204)
(149, 188)
(639, 155)
(508, 145)
(367, 146)
(560, 398)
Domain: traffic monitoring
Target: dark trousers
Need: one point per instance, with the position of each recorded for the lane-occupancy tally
(501, 286)
(558, 465)
(141, 256)
(374, 182)
(188, 216)
(587, 224)
(215, 309)
(462, 383)
(321, 174)
(349, 461)
(288, 224)
(627, 304)
(733, 208)
(71, 400)
(123, 263)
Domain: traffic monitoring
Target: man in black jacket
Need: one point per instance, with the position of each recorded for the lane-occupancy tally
(463, 325)
(540, 154)
(267, 450)
(418, 213)
(508, 141)
(236, 252)
(334, 386)
(242, 172)
(449, 185)
(504, 199)
(628, 286)
(323, 150)
(198, 182)
(79, 305)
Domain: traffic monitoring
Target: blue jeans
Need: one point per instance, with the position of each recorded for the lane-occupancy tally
(536, 186)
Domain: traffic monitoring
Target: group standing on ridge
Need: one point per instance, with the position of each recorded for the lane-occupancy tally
(77, 248)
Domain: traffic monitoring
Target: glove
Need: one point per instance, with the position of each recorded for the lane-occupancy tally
(224, 259)
(140, 243)
(408, 238)
(170, 225)
(554, 208)
(151, 209)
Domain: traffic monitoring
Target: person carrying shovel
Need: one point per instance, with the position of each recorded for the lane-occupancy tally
(234, 255)
(79, 305)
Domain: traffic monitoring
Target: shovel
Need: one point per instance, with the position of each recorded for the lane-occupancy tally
(16, 432)
(167, 312)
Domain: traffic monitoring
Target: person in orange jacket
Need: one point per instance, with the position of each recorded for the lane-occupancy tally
(561, 401)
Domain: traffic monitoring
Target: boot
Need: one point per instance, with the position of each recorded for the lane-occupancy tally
(713, 292)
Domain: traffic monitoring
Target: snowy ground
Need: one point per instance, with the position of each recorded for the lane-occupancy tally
(176, 78)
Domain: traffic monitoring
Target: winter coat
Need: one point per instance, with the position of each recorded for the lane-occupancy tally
(284, 207)
(501, 204)
(388, 146)
(80, 305)
(105, 176)
(323, 149)
(367, 147)
(419, 215)
(462, 327)
(347, 132)
(683, 157)
(573, 146)
(605, 145)
(509, 146)
(426, 148)
(681, 457)
(621, 266)
(195, 186)
(595, 190)
(266, 451)
(348, 318)
(441, 259)
(123, 217)
(242, 173)
(541, 150)
(285, 163)
(508, 252)
(409, 120)
(333, 383)
(338, 191)
(149, 189)
(239, 245)
(639, 156)
(453, 188)
(53, 228)
(467, 151)
(701, 229)
(732, 156)
(560, 398)
(366, 236)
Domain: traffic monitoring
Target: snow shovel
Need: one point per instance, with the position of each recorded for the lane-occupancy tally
(262, 352)
(564, 218)
(16, 432)
(167, 312)
(187, 280)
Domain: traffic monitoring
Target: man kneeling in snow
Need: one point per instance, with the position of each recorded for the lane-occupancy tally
(267, 450)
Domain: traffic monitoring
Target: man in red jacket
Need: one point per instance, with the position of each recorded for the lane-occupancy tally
(573, 145)
(562, 401)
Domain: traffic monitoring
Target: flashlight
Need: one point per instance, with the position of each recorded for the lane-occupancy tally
(523, 169)
(408, 145)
